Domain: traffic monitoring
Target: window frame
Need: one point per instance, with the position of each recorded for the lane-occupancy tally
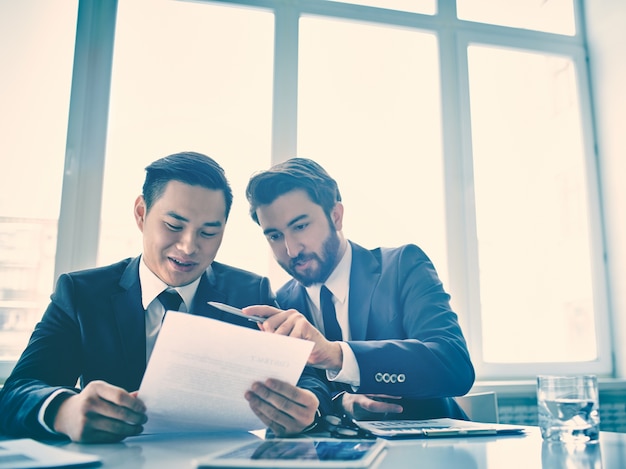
(78, 239)
(603, 365)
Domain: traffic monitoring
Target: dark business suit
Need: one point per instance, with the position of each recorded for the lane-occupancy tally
(406, 339)
(94, 329)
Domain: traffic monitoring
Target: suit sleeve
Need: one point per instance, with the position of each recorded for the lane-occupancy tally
(49, 362)
(417, 348)
(312, 380)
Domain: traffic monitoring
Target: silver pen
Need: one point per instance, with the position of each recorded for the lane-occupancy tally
(236, 311)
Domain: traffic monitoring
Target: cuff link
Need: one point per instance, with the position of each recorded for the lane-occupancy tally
(390, 378)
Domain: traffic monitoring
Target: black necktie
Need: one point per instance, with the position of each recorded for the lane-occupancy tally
(331, 326)
(170, 299)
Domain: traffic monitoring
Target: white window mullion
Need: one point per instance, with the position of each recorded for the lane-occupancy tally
(79, 219)
(460, 223)
(285, 99)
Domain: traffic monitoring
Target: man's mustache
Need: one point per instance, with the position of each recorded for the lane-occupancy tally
(302, 258)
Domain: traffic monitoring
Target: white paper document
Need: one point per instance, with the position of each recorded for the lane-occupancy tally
(200, 369)
(26, 453)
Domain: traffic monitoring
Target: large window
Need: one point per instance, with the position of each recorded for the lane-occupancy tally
(463, 127)
(384, 146)
(187, 76)
(36, 59)
(535, 222)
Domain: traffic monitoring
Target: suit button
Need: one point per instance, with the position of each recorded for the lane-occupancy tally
(393, 378)
(378, 377)
(401, 378)
(386, 378)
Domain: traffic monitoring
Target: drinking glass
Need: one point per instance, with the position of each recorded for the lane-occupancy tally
(568, 408)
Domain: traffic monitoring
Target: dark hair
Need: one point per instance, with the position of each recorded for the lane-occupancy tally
(190, 168)
(293, 174)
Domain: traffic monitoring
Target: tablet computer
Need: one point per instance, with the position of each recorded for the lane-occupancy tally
(301, 453)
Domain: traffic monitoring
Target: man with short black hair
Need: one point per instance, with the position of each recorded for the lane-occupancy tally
(101, 324)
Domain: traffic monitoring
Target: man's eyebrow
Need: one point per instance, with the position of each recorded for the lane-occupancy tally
(271, 230)
(216, 224)
(297, 219)
(175, 215)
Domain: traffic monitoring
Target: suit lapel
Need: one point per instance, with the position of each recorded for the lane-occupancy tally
(207, 292)
(130, 317)
(364, 275)
(294, 295)
(301, 299)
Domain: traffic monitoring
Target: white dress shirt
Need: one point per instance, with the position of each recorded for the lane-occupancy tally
(151, 287)
(339, 285)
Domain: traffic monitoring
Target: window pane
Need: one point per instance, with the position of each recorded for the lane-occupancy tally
(36, 59)
(369, 111)
(426, 7)
(188, 76)
(531, 208)
(552, 16)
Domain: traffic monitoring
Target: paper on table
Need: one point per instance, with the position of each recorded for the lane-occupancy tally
(26, 454)
(200, 369)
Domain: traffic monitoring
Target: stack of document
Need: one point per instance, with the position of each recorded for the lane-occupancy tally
(200, 369)
(26, 453)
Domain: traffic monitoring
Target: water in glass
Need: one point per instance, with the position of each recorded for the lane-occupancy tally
(568, 408)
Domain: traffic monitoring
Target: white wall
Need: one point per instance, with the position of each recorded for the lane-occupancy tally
(606, 20)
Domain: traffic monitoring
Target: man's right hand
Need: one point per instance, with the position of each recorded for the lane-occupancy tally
(326, 354)
(370, 406)
(100, 413)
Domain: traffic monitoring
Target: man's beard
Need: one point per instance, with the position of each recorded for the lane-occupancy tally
(326, 263)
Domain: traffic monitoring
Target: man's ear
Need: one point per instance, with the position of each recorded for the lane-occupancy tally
(336, 215)
(140, 212)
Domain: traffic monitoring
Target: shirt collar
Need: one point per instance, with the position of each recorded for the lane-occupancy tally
(338, 282)
(151, 286)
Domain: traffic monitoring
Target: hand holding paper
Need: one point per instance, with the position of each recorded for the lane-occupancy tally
(284, 408)
(201, 368)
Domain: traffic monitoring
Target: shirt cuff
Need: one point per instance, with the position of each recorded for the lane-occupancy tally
(350, 372)
(41, 415)
(316, 421)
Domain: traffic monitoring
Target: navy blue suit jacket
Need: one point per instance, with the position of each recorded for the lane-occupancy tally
(406, 338)
(94, 329)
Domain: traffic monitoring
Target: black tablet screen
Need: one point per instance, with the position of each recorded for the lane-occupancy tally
(340, 450)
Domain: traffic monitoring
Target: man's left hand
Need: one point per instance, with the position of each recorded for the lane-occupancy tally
(284, 408)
